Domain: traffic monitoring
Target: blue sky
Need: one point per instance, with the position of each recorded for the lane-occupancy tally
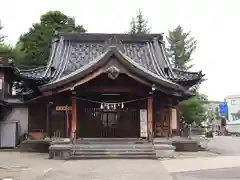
(214, 23)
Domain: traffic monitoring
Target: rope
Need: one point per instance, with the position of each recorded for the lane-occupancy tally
(122, 102)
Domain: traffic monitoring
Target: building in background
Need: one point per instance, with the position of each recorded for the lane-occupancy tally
(233, 123)
(212, 110)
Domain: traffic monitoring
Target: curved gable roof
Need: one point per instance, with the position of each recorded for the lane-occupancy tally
(73, 52)
(101, 60)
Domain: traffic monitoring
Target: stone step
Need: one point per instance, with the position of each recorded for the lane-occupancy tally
(115, 156)
(113, 153)
(164, 147)
(112, 150)
(162, 141)
(111, 141)
(104, 148)
(113, 146)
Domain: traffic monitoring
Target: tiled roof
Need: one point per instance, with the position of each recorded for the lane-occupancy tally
(72, 51)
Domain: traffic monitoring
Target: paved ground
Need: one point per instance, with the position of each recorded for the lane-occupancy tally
(30, 166)
(188, 166)
(204, 168)
(212, 174)
(35, 167)
(226, 145)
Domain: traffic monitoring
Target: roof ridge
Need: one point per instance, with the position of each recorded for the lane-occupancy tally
(76, 36)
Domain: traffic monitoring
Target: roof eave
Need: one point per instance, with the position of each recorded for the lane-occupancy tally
(112, 50)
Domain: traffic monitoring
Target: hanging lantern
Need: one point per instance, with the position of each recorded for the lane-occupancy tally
(108, 106)
(153, 87)
(101, 107)
(122, 106)
(114, 106)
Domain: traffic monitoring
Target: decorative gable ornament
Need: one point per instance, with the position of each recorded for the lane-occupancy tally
(113, 41)
(113, 72)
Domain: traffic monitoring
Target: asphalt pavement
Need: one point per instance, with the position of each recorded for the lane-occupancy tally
(224, 145)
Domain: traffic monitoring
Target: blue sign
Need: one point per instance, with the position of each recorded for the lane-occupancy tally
(222, 109)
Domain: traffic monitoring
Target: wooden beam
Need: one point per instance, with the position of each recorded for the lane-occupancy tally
(82, 81)
(74, 115)
(150, 115)
(109, 89)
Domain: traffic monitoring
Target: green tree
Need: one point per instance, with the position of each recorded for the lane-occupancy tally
(181, 47)
(19, 56)
(2, 37)
(139, 24)
(6, 51)
(193, 109)
(217, 114)
(36, 43)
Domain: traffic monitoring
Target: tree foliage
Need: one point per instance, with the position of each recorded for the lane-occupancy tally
(36, 43)
(181, 48)
(193, 109)
(6, 51)
(139, 24)
(2, 37)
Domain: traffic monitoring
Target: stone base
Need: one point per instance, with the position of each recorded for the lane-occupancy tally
(187, 146)
(60, 152)
(164, 150)
(165, 154)
(40, 146)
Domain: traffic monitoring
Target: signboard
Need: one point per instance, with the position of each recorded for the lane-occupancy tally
(143, 122)
(63, 108)
(174, 119)
(222, 109)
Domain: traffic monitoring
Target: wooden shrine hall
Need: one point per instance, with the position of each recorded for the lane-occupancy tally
(105, 85)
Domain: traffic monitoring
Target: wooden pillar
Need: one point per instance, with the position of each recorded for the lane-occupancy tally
(47, 121)
(170, 122)
(178, 121)
(48, 113)
(74, 115)
(150, 114)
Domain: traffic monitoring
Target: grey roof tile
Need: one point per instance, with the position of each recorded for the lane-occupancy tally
(72, 51)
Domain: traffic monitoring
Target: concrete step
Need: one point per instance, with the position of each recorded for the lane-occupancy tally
(111, 141)
(113, 153)
(164, 147)
(112, 150)
(113, 146)
(162, 141)
(114, 156)
(102, 148)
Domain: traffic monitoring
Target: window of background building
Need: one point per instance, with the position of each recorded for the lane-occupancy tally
(233, 102)
(235, 117)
